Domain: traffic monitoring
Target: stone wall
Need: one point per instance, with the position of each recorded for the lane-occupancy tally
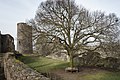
(94, 59)
(0, 41)
(59, 56)
(6, 43)
(16, 70)
(2, 77)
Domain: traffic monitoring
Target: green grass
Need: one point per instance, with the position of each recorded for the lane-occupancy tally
(43, 64)
(102, 76)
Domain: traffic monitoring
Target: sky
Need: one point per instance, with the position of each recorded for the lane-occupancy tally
(15, 11)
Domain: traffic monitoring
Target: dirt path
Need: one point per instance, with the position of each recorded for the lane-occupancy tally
(77, 75)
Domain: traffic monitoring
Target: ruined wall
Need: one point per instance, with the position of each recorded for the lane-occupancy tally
(2, 77)
(0, 41)
(59, 56)
(16, 70)
(24, 38)
(6, 43)
(94, 59)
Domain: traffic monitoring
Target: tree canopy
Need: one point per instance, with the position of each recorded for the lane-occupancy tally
(75, 27)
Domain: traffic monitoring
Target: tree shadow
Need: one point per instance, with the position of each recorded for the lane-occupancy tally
(27, 59)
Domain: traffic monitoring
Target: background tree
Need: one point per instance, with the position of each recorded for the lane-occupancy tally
(111, 48)
(74, 27)
(44, 45)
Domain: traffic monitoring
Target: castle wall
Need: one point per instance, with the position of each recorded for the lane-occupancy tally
(3, 43)
(24, 38)
(6, 43)
(0, 42)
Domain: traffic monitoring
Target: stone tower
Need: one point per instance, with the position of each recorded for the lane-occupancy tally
(24, 38)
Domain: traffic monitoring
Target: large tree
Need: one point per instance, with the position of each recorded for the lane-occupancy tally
(73, 26)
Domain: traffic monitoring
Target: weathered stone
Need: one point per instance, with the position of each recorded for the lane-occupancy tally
(88, 59)
(93, 59)
(6, 43)
(24, 38)
(19, 71)
(2, 76)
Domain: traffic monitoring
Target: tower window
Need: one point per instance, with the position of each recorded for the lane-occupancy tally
(19, 43)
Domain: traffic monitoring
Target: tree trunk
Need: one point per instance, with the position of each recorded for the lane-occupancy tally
(71, 61)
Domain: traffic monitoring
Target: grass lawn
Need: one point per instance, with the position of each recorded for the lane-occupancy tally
(43, 64)
(102, 75)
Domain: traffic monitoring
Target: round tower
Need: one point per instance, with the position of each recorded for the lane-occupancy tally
(24, 38)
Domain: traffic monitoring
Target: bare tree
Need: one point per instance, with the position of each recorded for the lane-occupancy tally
(111, 48)
(75, 27)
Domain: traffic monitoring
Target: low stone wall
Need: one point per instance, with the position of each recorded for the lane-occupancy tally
(94, 59)
(59, 56)
(16, 70)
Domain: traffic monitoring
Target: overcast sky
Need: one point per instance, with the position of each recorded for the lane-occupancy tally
(14, 11)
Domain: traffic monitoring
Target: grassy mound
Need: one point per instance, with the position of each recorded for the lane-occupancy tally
(43, 64)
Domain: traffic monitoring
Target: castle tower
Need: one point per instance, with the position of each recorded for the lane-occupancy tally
(24, 38)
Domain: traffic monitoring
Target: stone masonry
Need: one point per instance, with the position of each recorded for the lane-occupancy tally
(6, 43)
(16, 70)
(24, 38)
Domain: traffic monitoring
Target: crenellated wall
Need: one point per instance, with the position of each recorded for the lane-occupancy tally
(16, 70)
